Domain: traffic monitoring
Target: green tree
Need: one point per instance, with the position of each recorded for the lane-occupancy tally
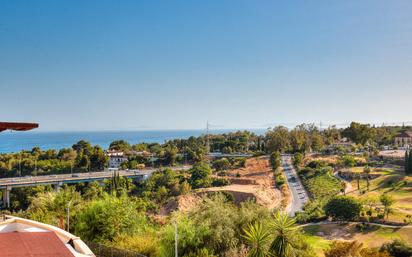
(106, 218)
(93, 191)
(358, 177)
(200, 175)
(170, 155)
(297, 159)
(51, 207)
(341, 249)
(343, 208)
(410, 162)
(277, 139)
(98, 159)
(120, 145)
(287, 240)
(221, 164)
(82, 146)
(397, 248)
(352, 249)
(359, 133)
(275, 160)
(366, 172)
(387, 201)
(407, 167)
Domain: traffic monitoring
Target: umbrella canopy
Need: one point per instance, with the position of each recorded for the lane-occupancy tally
(18, 126)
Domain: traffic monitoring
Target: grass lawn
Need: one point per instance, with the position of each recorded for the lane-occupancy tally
(381, 171)
(320, 236)
(393, 182)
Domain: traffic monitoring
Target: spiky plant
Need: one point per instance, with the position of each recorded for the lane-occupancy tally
(258, 238)
(284, 228)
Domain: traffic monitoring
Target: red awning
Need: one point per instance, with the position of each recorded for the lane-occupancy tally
(28, 244)
(19, 126)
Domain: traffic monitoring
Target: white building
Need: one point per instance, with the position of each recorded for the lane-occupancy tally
(116, 159)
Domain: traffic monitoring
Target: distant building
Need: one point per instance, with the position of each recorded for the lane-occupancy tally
(116, 159)
(404, 138)
(22, 237)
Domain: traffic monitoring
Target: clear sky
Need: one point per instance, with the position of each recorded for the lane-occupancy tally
(147, 64)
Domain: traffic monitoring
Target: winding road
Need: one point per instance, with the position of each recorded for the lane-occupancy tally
(298, 193)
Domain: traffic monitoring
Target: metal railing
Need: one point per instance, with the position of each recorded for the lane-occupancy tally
(106, 251)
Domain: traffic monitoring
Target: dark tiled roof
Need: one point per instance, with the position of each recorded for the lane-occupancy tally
(19, 126)
(405, 134)
(28, 244)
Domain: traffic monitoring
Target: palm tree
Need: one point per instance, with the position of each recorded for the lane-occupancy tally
(367, 171)
(358, 177)
(284, 229)
(285, 236)
(258, 238)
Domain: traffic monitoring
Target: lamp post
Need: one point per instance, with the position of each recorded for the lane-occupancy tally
(68, 215)
(176, 240)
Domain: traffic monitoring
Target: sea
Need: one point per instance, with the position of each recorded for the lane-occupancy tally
(15, 141)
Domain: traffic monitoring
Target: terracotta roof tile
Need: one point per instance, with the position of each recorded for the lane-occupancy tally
(32, 244)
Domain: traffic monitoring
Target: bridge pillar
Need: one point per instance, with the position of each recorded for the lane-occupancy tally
(57, 186)
(6, 197)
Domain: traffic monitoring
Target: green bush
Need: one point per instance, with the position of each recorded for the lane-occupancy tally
(397, 248)
(106, 218)
(219, 182)
(343, 208)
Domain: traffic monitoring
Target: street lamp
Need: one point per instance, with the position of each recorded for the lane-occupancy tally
(68, 215)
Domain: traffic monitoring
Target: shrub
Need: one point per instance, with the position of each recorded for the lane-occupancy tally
(297, 159)
(397, 248)
(200, 175)
(219, 182)
(221, 164)
(275, 160)
(106, 218)
(343, 208)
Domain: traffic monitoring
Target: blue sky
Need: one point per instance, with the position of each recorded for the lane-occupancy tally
(93, 65)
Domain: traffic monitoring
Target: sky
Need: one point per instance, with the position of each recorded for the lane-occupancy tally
(148, 64)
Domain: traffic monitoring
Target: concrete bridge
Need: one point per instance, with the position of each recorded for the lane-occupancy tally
(6, 184)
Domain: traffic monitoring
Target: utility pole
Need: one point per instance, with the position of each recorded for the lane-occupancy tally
(68, 215)
(20, 164)
(176, 240)
(35, 167)
(207, 138)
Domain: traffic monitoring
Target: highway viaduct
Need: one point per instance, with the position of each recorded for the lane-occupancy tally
(7, 184)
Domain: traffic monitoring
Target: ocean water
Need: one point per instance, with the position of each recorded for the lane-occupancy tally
(16, 141)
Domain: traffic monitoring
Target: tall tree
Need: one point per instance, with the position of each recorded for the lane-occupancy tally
(358, 177)
(410, 162)
(275, 160)
(200, 175)
(367, 171)
(277, 139)
(387, 201)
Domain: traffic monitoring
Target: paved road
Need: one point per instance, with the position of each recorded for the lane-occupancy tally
(75, 178)
(298, 192)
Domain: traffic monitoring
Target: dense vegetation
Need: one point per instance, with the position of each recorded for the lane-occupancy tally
(130, 215)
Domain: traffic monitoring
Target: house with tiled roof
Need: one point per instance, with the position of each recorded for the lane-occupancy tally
(22, 237)
(404, 138)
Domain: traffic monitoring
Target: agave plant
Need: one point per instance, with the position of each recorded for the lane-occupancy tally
(284, 229)
(278, 240)
(258, 238)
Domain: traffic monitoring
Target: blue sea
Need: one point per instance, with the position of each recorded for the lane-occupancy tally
(16, 141)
